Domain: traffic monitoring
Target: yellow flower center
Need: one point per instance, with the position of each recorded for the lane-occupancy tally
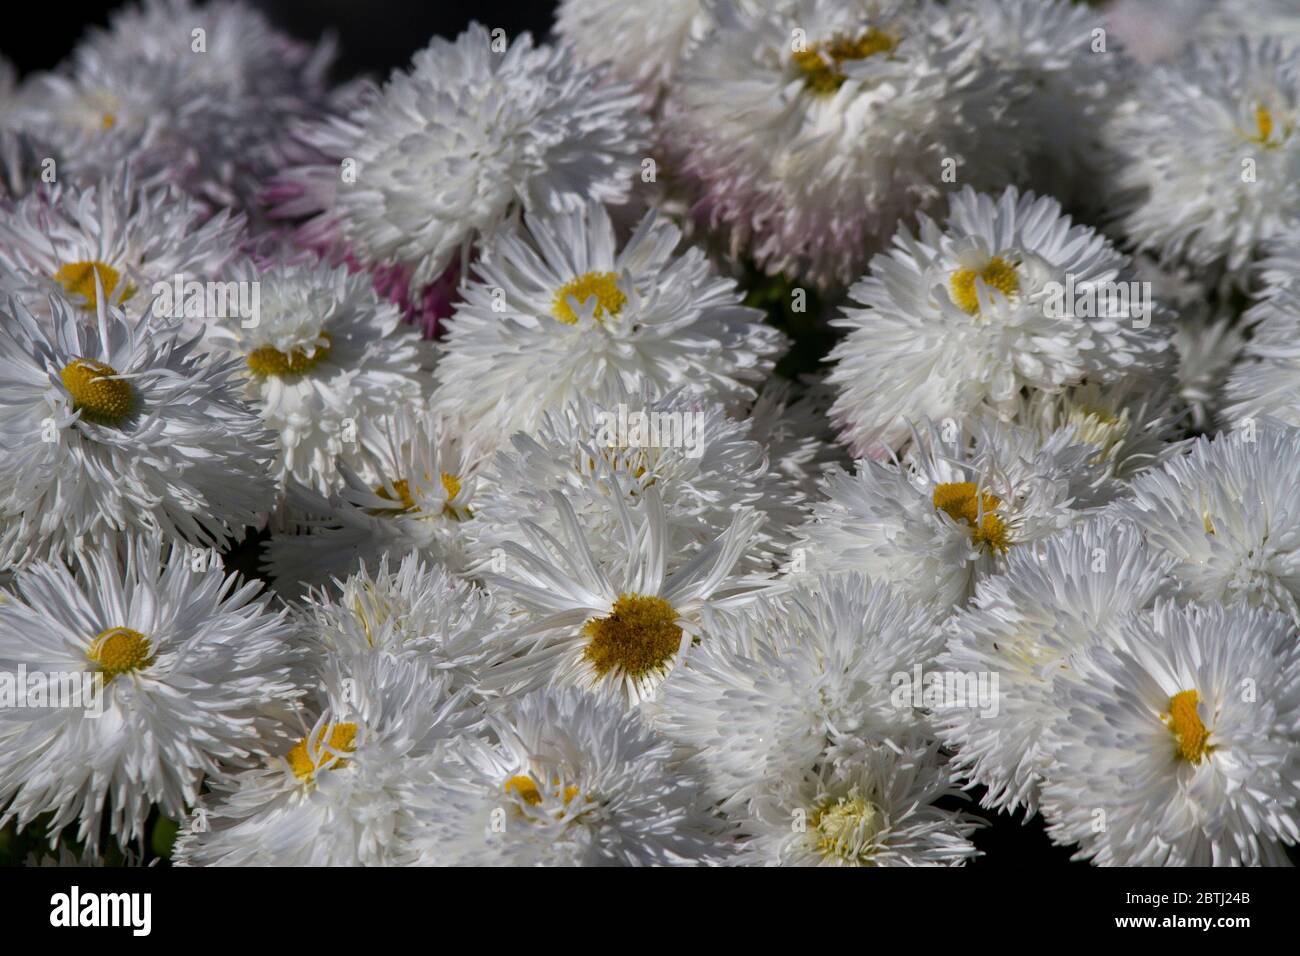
(820, 63)
(108, 121)
(97, 393)
(602, 285)
(997, 274)
(962, 501)
(638, 638)
(268, 361)
(402, 490)
(1100, 427)
(528, 791)
(120, 650)
(1185, 724)
(1265, 126)
(308, 756)
(78, 278)
(847, 829)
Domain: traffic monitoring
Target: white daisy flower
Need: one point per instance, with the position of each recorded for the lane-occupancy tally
(1133, 424)
(117, 425)
(955, 322)
(1227, 512)
(1178, 745)
(947, 516)
(414, 494)
(471, 134)
(417, 609)
(703, 464)
(877, 810)
(1207, 163)
(572, 779)
(190, 669)
(555, 293)
(812, 129)
(129, 238)
(325, 362)
(353, 791)
(621, 626)
(778, 682)
(202, 96)
(1055, 599)
(105, 114)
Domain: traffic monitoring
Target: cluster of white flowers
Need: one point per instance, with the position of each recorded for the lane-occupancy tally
(730, 432)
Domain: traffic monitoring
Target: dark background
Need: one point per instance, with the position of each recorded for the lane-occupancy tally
(376, 37)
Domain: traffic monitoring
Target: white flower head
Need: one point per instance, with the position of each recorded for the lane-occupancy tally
(622, 625)
(115, 425)
(876, 810)
(200, 96)
(555, 293)
(1264, 379)
(703, 463)
(412, 608)
(193, 672)
(641, 44)
(1207, 158)
(777, 683)
(1026, 625)
(354, 789)
(814, 127)
(1181, 739)
(956, 321)
(571, 779)
(472, 134)
(415, 494)
(1067, 83)
(1227, 512)
(128, 237)
(325, 361)
(947, 515)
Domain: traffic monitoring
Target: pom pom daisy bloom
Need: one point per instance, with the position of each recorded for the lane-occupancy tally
(117, 425)
(1181, 739)
(189, 672)
(128, 238)
(1026, 625)
(1228, 514)
(353, 790)
(414, 609)
(414, 496)
(620, 627)
(778, 682)
(556, 293)
(1207, 160)
(947, 516)
(814, 127)
(703, 463)
(877, 810)
(471, 134)
(955, 322)
(570, 779)
(324, 362)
